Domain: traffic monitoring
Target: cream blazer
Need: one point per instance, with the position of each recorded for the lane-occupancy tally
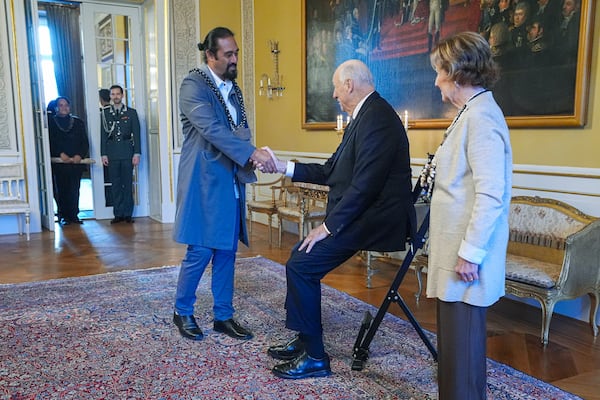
(470, 205)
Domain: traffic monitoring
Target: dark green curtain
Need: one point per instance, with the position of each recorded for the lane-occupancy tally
(65, 37)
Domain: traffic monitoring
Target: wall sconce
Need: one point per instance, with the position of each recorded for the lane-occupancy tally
(274, 86)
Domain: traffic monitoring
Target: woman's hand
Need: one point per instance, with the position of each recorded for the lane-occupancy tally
(467, 271)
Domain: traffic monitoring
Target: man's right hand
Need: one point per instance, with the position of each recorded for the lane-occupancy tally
(105, 161)
(262, 159)
(279, 164)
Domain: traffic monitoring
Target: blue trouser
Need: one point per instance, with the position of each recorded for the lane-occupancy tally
(304, 272)
(223, 268)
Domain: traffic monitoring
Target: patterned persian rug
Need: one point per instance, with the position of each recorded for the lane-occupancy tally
(110, 336)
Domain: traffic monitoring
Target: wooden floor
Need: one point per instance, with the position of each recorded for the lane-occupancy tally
(571, 361)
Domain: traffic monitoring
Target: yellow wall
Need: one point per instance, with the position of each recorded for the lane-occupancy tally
(278, 121)
(227, 13)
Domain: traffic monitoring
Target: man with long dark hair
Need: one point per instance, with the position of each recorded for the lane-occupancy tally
(214, 166)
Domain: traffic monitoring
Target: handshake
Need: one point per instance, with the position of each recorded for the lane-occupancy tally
(265, 160)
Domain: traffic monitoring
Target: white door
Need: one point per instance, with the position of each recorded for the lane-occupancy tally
(42, 146)
(113, 55)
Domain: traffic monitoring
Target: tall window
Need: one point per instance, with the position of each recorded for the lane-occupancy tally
(48, 77)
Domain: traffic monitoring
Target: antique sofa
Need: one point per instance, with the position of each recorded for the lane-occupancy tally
(553, 254)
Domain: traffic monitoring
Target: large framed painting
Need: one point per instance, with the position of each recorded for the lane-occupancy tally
(543, 52)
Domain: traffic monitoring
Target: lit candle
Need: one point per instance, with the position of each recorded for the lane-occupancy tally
(262, 85)
(339, 121)
(269, 82)
(405, 119)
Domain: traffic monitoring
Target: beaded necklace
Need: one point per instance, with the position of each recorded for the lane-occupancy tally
(427, 178)
(69, 125)
(217, 93)
(462, 110)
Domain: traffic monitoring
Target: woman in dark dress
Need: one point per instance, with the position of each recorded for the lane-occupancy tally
(69, 143)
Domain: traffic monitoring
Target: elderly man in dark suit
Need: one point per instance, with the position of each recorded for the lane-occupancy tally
(369, 208)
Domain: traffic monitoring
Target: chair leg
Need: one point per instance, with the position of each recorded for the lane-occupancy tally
(369, 268)
(250, 227)
(594, 311)
(547, 309)
(280, 226)
(270, 218)
(27, 227)
(418, 271)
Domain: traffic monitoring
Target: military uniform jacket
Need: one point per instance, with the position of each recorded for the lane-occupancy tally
(120, 133)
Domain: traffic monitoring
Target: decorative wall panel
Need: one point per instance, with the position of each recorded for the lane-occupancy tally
(248, 60)
(186, 55)
(7, 116)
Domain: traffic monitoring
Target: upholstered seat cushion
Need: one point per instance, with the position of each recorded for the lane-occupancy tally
(532, 271)
(294, 212)
(263, 205)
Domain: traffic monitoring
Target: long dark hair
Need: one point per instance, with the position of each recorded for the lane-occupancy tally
(211, 41)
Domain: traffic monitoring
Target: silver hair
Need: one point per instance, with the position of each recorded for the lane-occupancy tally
(357, 71)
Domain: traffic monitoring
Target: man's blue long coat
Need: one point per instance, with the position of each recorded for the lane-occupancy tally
(210, 156)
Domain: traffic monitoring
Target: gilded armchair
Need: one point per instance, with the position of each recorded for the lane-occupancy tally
(267, 205)
(303, 204)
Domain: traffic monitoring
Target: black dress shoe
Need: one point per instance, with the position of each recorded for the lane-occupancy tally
(288, 351)
(116, 220)
(188, 327)
(76, 221)
(303, 366)
(129, 220)
(233, 329)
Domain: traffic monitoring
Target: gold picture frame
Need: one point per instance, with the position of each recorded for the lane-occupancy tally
(551, 94)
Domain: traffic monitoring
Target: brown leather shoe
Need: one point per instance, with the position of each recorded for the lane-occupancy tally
(231, 328)
(288, 351)
(188, 327)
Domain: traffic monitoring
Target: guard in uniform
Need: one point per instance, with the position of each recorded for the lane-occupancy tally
(120, 149)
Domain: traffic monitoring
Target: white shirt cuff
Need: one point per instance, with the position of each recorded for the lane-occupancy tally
(289, 169)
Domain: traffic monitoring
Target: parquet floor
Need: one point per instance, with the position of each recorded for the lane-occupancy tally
(571, 361)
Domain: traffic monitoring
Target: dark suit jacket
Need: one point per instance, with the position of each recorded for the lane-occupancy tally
(369, 176)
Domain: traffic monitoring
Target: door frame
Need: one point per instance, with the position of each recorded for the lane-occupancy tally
(39, 121)
(135, 12)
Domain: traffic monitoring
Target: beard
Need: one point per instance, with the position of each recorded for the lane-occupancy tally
(231, 72)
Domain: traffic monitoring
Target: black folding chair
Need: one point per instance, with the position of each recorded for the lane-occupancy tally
(370, 325)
